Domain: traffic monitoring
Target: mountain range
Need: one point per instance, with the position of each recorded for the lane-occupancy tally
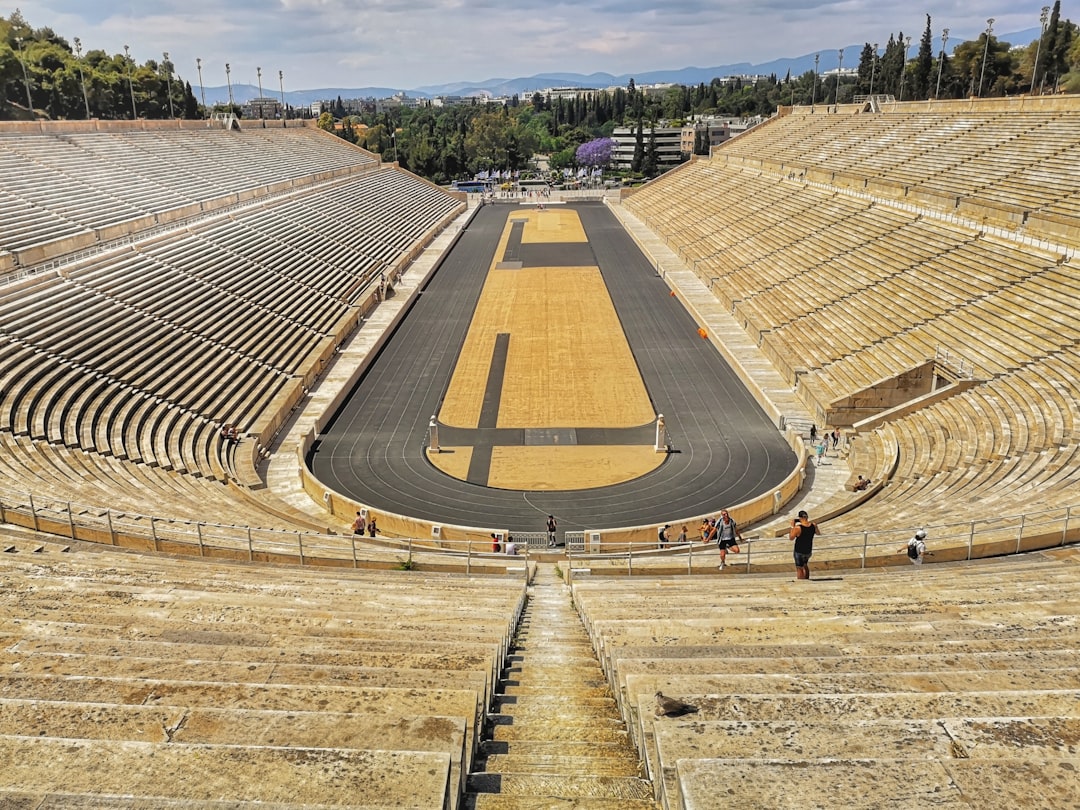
(526, 86)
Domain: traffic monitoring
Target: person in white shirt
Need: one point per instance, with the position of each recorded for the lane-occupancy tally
(916, 547)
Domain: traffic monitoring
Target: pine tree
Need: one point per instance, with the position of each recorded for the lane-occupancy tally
(920, 80)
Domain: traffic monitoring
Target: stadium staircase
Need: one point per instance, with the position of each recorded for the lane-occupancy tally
(554, 737)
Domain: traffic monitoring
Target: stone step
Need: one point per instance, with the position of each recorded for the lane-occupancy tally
(19, 800)
(561, 786)
(201, 773)
(562, 765)
(497, 801)
(506, 704)
(584, 676)
(598, 688)
(565, 748)
(553, 731)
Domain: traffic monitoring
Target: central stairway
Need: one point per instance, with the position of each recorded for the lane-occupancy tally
(554, 738)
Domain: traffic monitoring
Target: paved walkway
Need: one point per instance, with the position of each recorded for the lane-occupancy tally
(555, 737)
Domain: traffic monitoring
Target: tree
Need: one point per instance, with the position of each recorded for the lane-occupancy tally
(596, 152)
(326, 121)
(920, 75)
(652, 159)
(638, 159)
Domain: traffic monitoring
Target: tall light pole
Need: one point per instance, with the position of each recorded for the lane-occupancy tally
(262, 114)
(986, 53)
(168, 80)
(228, 81)
(281, 87)
(903, 68)
(813, 93)
(131, 87)
(26, 76)
(202, 90)
(1044, 16)
(873, 70)
(839, 66)
(941, 61)
(82, 78)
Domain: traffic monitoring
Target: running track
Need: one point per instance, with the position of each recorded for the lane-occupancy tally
(726, 449)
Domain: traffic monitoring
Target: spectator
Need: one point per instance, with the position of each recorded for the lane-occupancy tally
(495, 544)
(359, 524)
(511, 546)
(371, 527)
(681, 539)
(803, 531)
(662, 536)
(552, 530)
(916, 547)
(728, 536)
(861, 484)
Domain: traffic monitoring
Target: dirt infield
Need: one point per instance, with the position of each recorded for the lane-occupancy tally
(563, 362)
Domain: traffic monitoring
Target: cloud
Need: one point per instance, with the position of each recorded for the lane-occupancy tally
(411, 43)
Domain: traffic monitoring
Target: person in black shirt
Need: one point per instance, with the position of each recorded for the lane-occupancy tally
(803, 531)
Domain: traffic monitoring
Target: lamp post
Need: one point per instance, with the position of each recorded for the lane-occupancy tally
(202, 90)
(941, 61)
(986, 53)
(281, 87)
(813, 92)
(262, 114)
(26, 76)
(1043, 18)
(131, 86)
(873, 70)
(839, 66)
(168, 81)
(228, 81)
(903, 68)
(82, 78)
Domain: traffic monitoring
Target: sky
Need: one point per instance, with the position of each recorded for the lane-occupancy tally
(407, 44)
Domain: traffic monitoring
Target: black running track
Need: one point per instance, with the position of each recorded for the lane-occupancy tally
(725, 449)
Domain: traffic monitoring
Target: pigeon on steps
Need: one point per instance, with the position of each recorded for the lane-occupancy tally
(672, 707)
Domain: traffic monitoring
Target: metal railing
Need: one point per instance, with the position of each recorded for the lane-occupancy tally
(986, 537)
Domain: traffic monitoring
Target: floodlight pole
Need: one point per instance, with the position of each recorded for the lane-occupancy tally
(986, 53)
(262, 113)
(1043, 18)
(26, 77)
(813, 92)
(281, 87)
(839, 67)
(202, 90)
(131, 86)
(873, 70)
(82, 78)
(228, 81)
(168, 81)
(941, 61)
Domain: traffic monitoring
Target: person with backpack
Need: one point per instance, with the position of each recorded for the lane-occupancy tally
(916, 547)
(728, 536)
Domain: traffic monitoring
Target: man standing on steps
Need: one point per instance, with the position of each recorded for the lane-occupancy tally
(803, 531)
(728, 536)
(552, 530)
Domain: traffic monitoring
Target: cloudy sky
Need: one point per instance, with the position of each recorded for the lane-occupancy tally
(413, 43)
